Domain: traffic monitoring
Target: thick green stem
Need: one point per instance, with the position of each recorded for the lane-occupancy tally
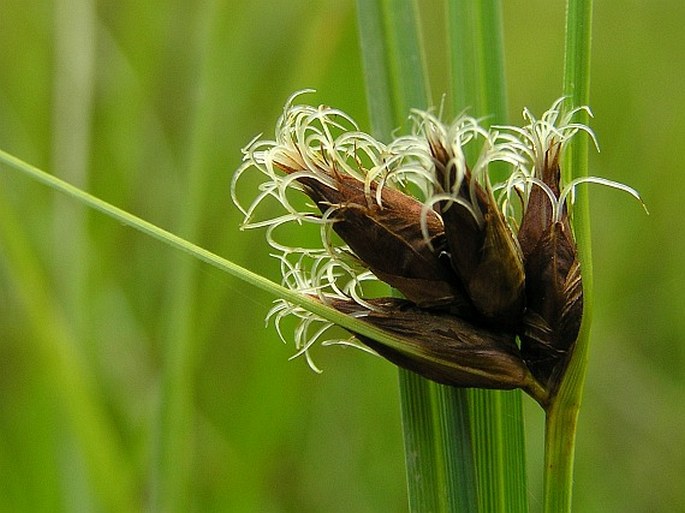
(560, 438)
(438, 452)
(478, 84)
(439, 457)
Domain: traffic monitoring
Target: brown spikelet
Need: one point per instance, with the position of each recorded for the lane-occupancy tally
(387, 238)
(443, 347)
(554, 292)
(485, 255)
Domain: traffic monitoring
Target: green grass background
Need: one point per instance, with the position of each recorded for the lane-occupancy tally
(147, 104)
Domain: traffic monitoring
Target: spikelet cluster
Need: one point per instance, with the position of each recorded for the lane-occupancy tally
(489, 274)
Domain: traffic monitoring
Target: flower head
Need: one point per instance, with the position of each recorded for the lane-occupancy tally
(418, 215)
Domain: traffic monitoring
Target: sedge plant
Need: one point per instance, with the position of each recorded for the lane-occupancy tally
(479, 227)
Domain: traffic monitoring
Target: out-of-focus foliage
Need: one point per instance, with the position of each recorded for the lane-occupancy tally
(147, 105)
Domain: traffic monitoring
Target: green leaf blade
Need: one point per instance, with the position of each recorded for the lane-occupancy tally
(440, 473)
(478, 84)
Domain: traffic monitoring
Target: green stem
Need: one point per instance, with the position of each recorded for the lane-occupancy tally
(375, 57)
(440, 470)
(478, 84)
(477, 58)
(562, 415)
(440, 473)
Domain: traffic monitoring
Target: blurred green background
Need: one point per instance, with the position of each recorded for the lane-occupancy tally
(133, 378)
